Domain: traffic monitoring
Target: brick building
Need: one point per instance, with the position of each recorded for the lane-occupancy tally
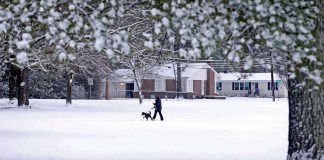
(197, 81)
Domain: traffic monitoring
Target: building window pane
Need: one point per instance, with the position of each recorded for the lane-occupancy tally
(246, 86)
(270, 86)
(241, 86)
(236, 86)
(218, 86)
(158, 85)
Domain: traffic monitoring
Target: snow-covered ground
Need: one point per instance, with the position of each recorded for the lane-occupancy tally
(231, 129)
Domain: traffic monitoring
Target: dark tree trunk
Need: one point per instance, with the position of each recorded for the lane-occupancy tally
(22, 87)
(306, 109)
(306, 124)
(69, 87)
(26, 88)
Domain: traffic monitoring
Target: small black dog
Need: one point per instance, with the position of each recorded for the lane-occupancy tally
(147, 115)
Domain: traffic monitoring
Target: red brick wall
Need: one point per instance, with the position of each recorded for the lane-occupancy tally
(162, 94)
(210, 85)
(170, 85)
(205, 88)
(148, 85)
(197, 87)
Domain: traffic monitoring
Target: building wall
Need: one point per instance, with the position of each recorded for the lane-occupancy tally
(210, 84)
(200, 75)
(102, 88)
(197, 88)
(263, 89)
(184, 83)
(205, 88)
(152, 95)
(159, 85)
(116, 90)
(148, 85)
(170, 85)
(189, 87)
(168, 90)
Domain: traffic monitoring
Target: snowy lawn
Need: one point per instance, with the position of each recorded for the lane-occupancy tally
(231, 129)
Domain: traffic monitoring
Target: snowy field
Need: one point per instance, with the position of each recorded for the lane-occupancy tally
(231, 129)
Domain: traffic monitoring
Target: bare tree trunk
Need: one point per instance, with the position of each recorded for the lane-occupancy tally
(70, 77)
(139, 86)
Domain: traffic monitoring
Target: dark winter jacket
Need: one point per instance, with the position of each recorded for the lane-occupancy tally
(158, 105)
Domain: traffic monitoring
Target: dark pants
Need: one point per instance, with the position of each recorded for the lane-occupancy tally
(160, 113)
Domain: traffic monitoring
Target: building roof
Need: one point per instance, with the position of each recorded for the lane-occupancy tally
(123, 75)
(165, 71)
(247, 76)
(190, 69)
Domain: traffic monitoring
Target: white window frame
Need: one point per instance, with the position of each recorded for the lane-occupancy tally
(242, 86)
(158, 85)
(190, 86)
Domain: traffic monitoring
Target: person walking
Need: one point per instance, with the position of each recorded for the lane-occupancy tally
(158, 108)
(256, 92)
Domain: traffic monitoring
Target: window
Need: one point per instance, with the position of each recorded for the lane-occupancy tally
(241, 85)
(158, 85)
(218, 86)
(276, 86)
(247, 86)
(236, 86)
(190, 85)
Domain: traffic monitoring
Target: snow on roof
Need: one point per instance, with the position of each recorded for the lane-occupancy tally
(247, 76)
(166, 71)
(123, 75)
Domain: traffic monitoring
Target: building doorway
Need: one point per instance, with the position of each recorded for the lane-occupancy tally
(129, 90)
(256, 89)
(256, 85)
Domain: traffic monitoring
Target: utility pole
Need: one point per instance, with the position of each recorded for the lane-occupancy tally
(178, 81)
(272, 81)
